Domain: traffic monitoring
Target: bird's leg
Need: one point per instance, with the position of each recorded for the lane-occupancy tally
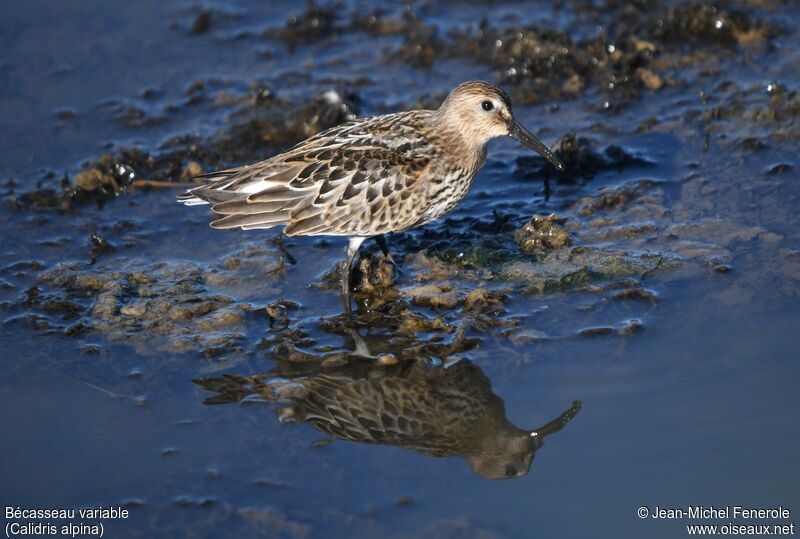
(381, 240)
(361, 348)
(352, 249)
(279, 242)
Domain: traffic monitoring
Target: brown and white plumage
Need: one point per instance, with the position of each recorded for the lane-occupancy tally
(371, 176)
(358, 179)
(435, 410)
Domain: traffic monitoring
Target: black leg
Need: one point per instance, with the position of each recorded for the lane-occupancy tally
(352, 249)
(381, 239)
(284, 251)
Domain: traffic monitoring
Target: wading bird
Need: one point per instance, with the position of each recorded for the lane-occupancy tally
(371, 176)
(436, 410)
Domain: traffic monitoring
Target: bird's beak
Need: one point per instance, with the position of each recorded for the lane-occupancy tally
(519, 132)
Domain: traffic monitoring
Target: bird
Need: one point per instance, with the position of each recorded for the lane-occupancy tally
(432, 409)
(371, 176)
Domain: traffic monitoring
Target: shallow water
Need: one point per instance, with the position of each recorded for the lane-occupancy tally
(161, 374)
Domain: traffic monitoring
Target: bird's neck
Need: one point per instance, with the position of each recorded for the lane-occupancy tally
(464, 149)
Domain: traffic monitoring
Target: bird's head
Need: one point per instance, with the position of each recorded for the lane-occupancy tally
(507, 457)
(482, 111)
(508, 451)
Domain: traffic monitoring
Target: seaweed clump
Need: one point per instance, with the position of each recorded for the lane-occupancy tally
(581, 159)
(637, 49)
(542, 234)
(164, 306)
(706, 22)
(261, 124)
(315, 23)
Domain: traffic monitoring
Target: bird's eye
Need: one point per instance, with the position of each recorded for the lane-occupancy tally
(487, 105)
(511, 470)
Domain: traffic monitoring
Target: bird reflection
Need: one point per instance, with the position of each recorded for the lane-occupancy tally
(439, 410)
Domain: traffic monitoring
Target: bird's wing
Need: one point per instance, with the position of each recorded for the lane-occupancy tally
(390, 410)
(356, 179)
(236, 183)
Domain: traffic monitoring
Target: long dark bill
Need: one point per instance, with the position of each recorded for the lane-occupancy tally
(519, 132)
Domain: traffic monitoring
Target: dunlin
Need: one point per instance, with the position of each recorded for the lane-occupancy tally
(371, 176)
(437, 411)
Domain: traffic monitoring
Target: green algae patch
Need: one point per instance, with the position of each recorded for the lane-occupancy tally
(542, 234)
(173, 306)
(577, 268)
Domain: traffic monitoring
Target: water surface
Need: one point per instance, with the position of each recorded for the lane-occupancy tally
(671, 318)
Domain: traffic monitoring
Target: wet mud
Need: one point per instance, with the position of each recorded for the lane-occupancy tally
(677, 123)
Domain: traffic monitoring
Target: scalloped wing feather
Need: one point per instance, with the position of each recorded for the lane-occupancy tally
(355, 179)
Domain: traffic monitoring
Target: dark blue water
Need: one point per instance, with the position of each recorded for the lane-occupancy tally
(696, 408)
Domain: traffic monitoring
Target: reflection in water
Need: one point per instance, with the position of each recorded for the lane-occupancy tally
(421, 405)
